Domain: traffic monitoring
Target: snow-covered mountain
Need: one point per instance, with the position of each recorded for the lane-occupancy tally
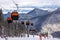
(36, 37)
(52, 23)
(38, 16)
(38, 12)
(38, 21)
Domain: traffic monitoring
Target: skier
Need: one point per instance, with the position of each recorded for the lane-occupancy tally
(40, 36)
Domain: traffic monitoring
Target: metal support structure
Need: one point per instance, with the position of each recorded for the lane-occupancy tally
(15, 4)
(16, 27)
(27, 31)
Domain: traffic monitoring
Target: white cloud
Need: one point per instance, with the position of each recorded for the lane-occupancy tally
(26, 8)
(8, 4)
(30, 2)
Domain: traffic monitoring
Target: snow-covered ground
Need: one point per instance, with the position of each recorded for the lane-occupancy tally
(28, 38)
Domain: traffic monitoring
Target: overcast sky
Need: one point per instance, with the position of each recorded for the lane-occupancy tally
(8, 4)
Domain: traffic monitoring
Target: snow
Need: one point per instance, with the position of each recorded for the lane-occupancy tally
(28, 38)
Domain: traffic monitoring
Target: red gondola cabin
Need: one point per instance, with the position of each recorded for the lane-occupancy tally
(9, 19)
(14, 15)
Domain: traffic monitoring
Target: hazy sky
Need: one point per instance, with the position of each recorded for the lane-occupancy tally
(8, 4)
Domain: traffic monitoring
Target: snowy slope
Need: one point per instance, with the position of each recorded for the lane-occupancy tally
(30, 38)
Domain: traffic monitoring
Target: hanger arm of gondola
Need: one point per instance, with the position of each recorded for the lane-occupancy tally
(15, 4)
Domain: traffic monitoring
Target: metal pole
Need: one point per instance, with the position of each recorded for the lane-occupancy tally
(8, 30)
(33, 33)
(27, 31)
(16, 27)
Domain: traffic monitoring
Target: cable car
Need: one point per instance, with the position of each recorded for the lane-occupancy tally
(14, 15)
(27, 23)
(32, 30)
(9, 19)
(22, 22)
(31, 24)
